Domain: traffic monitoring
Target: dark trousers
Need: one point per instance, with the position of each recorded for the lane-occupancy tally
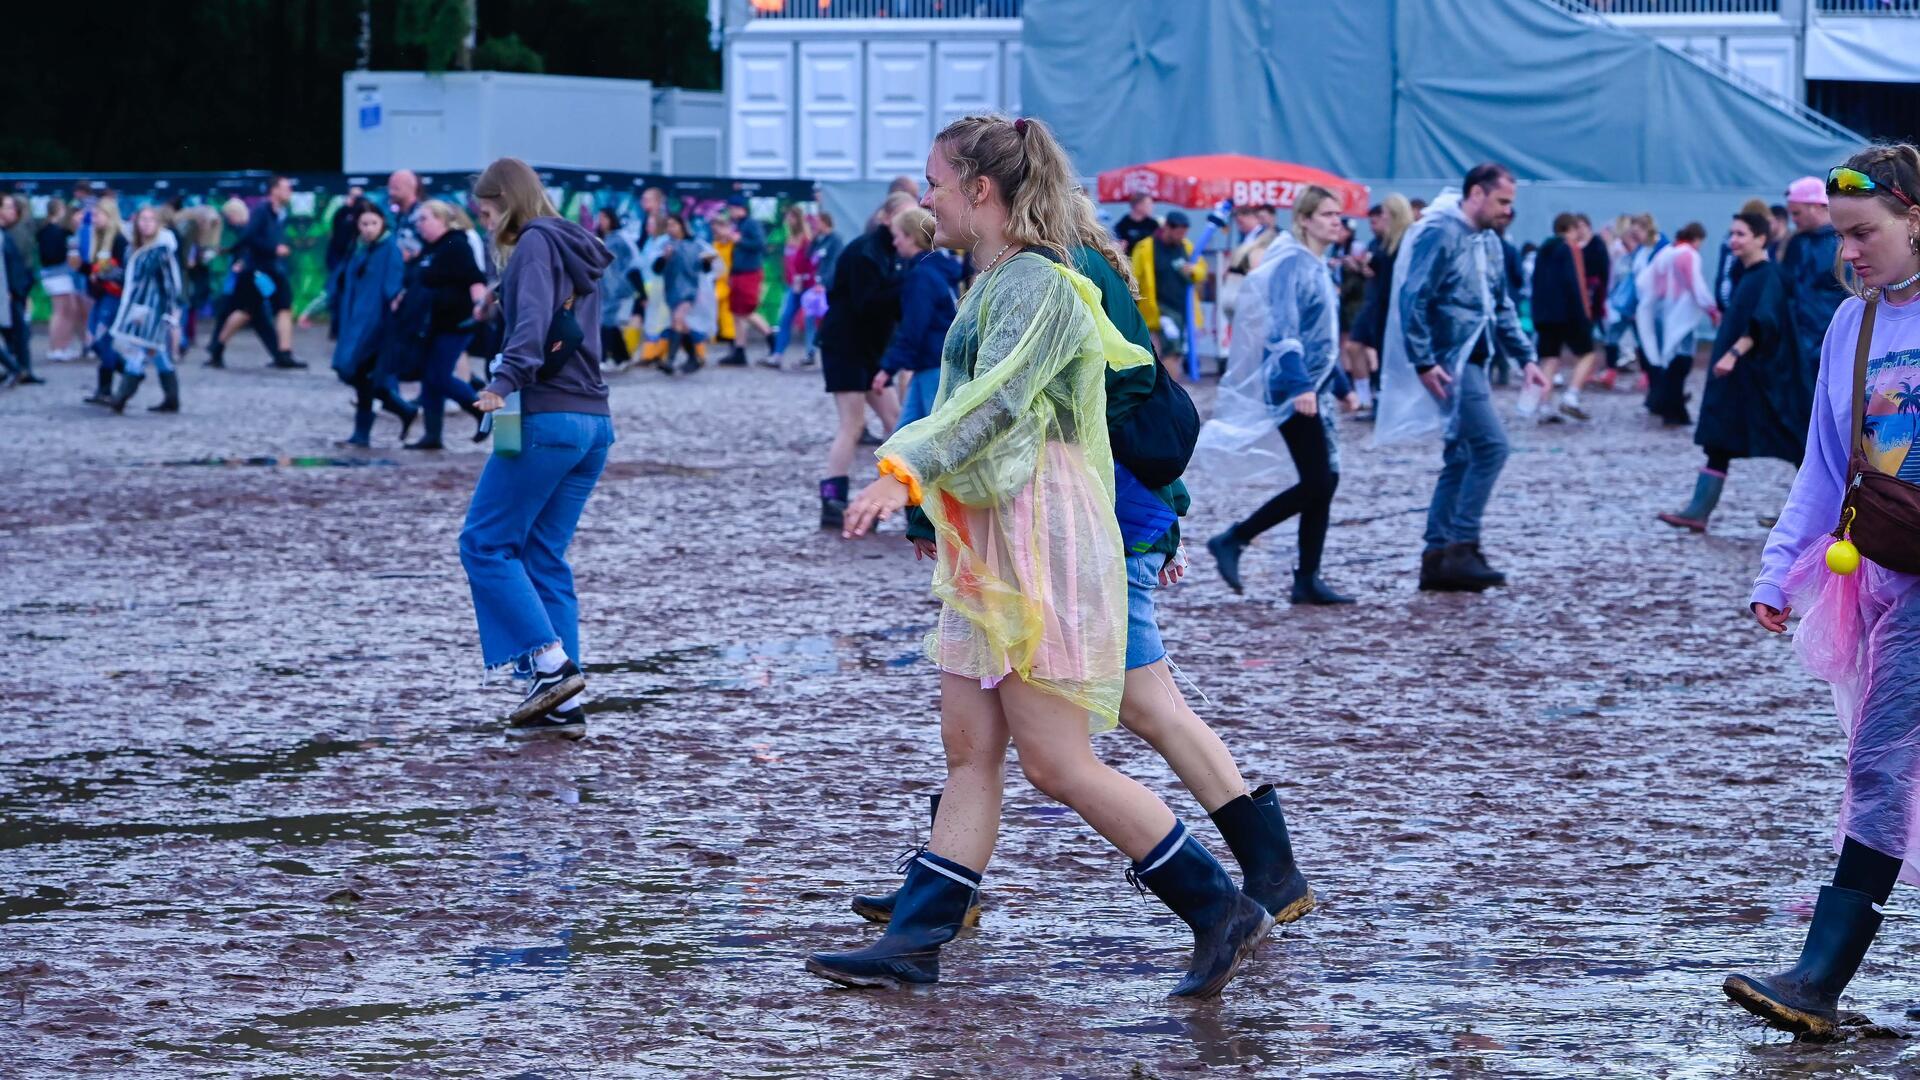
(1311, 498)
(259, 315)
(438, 385)
(20, 338)
(1667, 389)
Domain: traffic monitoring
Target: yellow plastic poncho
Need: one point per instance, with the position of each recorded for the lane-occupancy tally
(1014, 471)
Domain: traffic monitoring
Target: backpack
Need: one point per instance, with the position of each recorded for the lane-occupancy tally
(1155, 441)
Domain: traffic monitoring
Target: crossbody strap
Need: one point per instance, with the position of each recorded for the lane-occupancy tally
(1860, 350)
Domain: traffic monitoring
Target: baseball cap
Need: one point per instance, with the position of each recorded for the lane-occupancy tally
(1807, 189)
(1176, 220)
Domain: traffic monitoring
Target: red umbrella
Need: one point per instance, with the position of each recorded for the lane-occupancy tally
(1201, 182)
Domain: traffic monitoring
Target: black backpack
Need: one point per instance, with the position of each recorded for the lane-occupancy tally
(1156, 440)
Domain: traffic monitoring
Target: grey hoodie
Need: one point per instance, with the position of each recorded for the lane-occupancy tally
(554, 259)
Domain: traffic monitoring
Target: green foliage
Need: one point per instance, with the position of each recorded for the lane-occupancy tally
(256, 84)
(507, 54)
(437, 27)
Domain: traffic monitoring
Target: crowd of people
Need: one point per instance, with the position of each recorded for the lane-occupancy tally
(1015, 351)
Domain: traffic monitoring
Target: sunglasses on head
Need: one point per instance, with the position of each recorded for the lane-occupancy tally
(1842, 180)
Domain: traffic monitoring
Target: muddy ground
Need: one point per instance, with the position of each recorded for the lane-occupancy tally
(257, 819)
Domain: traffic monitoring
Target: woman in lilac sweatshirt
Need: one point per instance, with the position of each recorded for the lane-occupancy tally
(527, 504)
(1859, 632)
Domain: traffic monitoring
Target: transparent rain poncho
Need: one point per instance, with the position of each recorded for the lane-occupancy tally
(1860, 632)
(1016, 475)
(1285, 330)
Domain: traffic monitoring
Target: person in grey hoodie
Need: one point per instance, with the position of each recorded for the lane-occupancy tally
(529, 501)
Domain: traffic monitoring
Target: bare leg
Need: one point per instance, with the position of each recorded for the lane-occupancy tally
(283, 329)
(235, 320)
(853, 419)
(886, 405)
(1583, 370)
(974, 733)
(1155, 710)
(1056, 753)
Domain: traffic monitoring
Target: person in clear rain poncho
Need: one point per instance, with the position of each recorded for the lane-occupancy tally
(1859, 621)
(1285, 382)
(1015, 472)
(1452, 312)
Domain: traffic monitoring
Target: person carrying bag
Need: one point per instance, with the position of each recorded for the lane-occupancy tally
(526, 505)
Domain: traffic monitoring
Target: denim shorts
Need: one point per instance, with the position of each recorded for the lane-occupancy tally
(1143, 631)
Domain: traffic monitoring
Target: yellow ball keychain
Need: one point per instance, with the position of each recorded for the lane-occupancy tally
(1843, 558)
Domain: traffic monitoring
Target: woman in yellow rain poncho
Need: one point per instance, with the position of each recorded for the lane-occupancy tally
(1014, 470)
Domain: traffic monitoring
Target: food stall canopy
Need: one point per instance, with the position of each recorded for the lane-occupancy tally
(1203, 182)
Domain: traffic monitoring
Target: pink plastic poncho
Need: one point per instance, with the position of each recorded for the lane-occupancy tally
(1015, 472)
(1858, 632)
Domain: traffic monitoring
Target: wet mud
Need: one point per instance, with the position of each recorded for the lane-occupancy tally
(257, 818)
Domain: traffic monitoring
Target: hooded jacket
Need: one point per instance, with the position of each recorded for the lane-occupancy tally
(927, 303)
(554, 259)
(362, 288)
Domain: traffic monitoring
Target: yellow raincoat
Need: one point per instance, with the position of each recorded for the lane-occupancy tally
(1145, 274)
(1014, 470)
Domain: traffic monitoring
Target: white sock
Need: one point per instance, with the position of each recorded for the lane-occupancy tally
(550, 659)
(577, 701)
(1365, 390)
(1571, 397)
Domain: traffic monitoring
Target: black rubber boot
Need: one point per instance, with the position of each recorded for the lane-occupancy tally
(1226, 556)
(1256, 832)
(1309, 589)
(833, 502)
(931, 907)
(216, 353)
(1805, 998)
(879, 909)
(170, 386)
(1227, 924)
(129, 386)
(362, 429)
(102, 387)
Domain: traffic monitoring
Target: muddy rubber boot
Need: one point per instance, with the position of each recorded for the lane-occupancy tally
(1706, 495)
(1805, 998)
(833, 502)
(1309, 589)
(931, 908)
(1226, 553)
(879, 909)
(1256, 832)
(170, 386)
(129, 386)
(1227, 924)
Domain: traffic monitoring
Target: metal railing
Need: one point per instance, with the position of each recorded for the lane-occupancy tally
(1681, 7)
(1581, 9)
(886, 9)
(1907, 8)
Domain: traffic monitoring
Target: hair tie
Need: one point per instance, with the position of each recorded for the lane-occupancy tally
(1020, 126)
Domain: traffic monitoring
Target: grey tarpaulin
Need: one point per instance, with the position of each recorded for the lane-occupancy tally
(1400, 88)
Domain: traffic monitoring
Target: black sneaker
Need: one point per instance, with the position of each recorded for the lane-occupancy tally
(561, 723)
(286, 362)
(868, 438)
(735, 358)
(547, 690)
